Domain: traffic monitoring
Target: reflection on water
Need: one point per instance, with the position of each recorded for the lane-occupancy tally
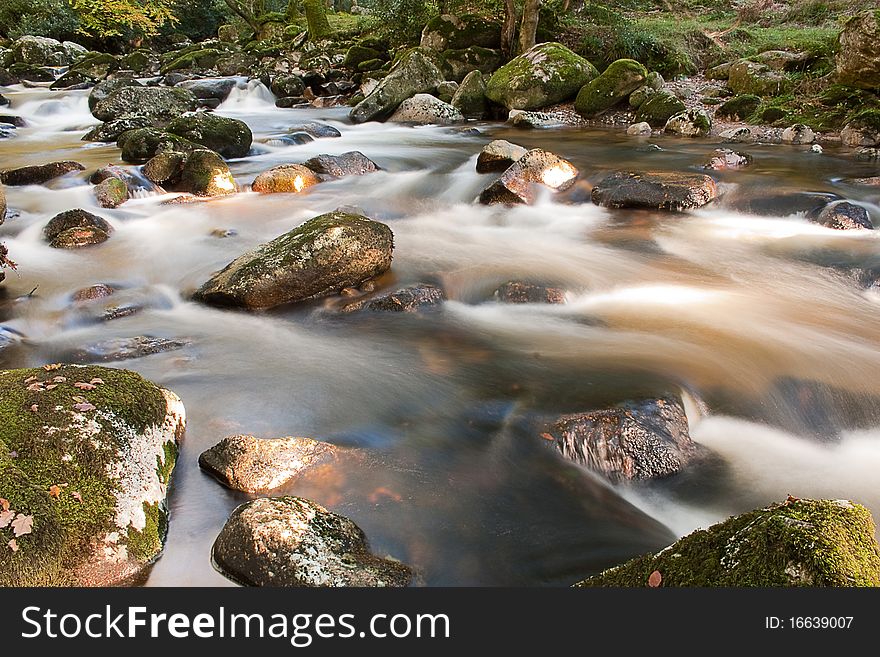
(744, 311)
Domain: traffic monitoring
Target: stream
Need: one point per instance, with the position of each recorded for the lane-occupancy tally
(744, 304)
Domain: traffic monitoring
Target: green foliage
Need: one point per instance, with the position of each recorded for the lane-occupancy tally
(403, 20)
(198, 19)
(108, 18)
(51, 18)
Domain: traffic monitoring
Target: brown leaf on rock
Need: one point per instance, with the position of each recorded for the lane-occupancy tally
(30, 379)
(34, 408)
(4, 504)
(52, 367)
(59, 379)
(6, 517)
(35, 387)
(547, 436)
(97, 382)
(84, 386)
(55, 491)
(77, 496)
(655, 579)
(13, 545)
(22, 525)
(84, 407)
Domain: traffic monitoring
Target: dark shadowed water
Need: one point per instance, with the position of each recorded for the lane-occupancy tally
(744, 304)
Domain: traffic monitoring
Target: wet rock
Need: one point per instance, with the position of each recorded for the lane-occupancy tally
(793, 543)
(285, 178)
(285, 86)
(498, 155)
(30, 73)
(37, 51)
(96, 66)
(144, 143)
(798, 134)
(76, 228)
(535, 120)
(350, 163)
(446, 32)
(116, 349)
(165, 168)
(642, 129)
(862, 130)
(857, 62)
(524, 292)
(103, 89)
(470, 97)
(116, 450)
(737, 136)
(292, 541)
(112, 130)
(111, 193)
(99, 291)
(521, 181)
(314, 129)
(659, 108)
(723, 159)
(73, 80)
(161, 104)
(142, 62)
(842, 215)
(228, 137)
(414, 73)
(425, 109)
(644, 439)
(319, 258)
(783, 60)
(739, 108)
(13, 120)
(690, 123)
(746, 77)
(238, 63)
(547, 73)
(206, 174)
(134, 182)
(412, 299)
(252, 464)
(2, 205)
(868, 154)
(619, 80)
(657, 191)
(217, 89)
(38, 174)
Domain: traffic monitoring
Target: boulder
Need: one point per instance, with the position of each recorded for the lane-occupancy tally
(226, 136)
(357, 54)
(252, 464)
(498, 155)
(143, 62)
(862, 130)
(720, 72)
(285, 178)
(643, 439)
(413, 74)
(746, 77)
(144, 143)
(197, 60)
(842, 215)
(655, 191)
(411, 299)
(470, 97)
(350, 163)
(39, 173)
(73, 80)
(37, 51)
(522, 180)
(111, 193)
(526, 292)
(96, 66)
(238, 63)
(659, 108)
(165, 168)
(112, 130)
(446, 32)
(94, 495)
(461, 62)
(737, 135)
(793, 543)
(162, 104)
(92, 293)
(723, 159)
(425, 109)
(206, 174)
(619, 80)
(76, 228)
(535, 120)
(116, 349)
(546, 74)
(690, 123)
(217, 89)
(314, 129)
(642, 129)
(857, 63)
(798, 134)
(106, 87)
(31, 73)
(783, 60)
(739, 108)
(446, 90)
(285, 86)
(292, 541)
(638, 97)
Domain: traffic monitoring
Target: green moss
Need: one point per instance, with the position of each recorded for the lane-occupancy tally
(200, 59)
(739, 107)
(795, 543)
(618, 81)
(657, 109)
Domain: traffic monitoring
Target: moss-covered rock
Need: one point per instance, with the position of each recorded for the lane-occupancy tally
(111, 193)
(414, 73)
(164, 168)
(140, 61)
(857, 63)
(199, 60)
(463, 61)
(470, 97)
(97, 65)
(144, 143)
(640, 96)
(36, 50)
(720, 72)
(862, 129)
(91, 465)
(238, 63)
(739, 108)
(31, 73)
(162, 104)
(619, 80)
(319, 258)
(226, 136)
(546, 74)
(285, 178)
(425, 109)
(358, 54)
(285, 86)
(746, 77)
(794, 543)
(370, 65)
(76, 228)
(106, 87)
(456, 32)
(206, 174)
(690, 123)
(657, 109)
(72, 79)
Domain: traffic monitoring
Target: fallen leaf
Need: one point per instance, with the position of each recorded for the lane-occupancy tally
(13, 545)
(52, 367)
(34, 408)
(97, 382)
(35, 387)
(55, 491)
(79, 400)
(84, 386)
(76, 495)
(655, 579)
(51, 386)
(13, 455)
(547, 436)
(59, 379)
(22, 525)
(84, 407)
(6, 517)
(4, 504)
(30, 379)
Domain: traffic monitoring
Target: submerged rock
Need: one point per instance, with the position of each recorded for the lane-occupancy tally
(76, 228)
(319, 258)
(351, 163)
(39, 173)
(793, 543)
(521, 181)
(425, 109)
(223, 135)
(523, 292)
(498, 155)
(657, 191)
(292, 541)
(842, 215)
(723, 159)
(252, 464)
(286, 178)
(644, 439)
(414, 298)
(87, 467)
(115, 349)
(314, 129)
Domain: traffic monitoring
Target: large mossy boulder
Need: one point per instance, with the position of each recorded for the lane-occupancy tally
(470, 97)
(463, 61)
(161, 104)
(746, 77)
(206, 174)
(226, 136)
(38, 51)
(292, 541)
(144, 143)
(739, 108)
(858, 53)
(86, 455)
(619, 80)
(545, 74)
(456, 32)
(659, 108)
(414, 73)
(96, 65)
(794, 543)
(201, 59)
(106, 87)
(319, 258)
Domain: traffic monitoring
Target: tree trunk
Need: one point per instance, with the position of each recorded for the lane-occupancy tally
(244, 13)
(529, 26)
(508, 31)
(316, 15)
(292, 11)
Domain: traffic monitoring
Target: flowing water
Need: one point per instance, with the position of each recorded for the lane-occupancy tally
(751, 313)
